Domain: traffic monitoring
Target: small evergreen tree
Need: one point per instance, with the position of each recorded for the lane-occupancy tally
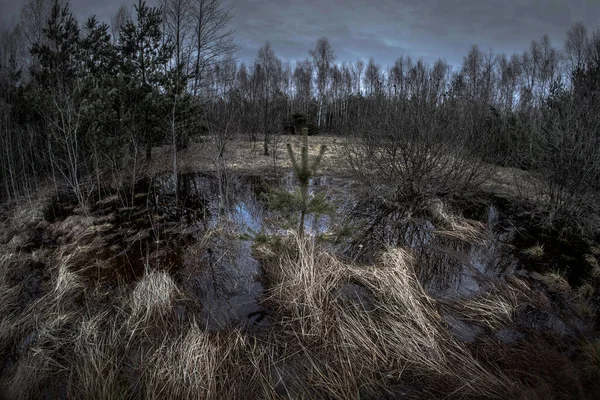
(57, 51)
(304, 170)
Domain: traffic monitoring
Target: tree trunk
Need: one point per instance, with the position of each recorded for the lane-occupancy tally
(304, 209)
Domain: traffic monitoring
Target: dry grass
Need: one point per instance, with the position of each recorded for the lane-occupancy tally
(454, 227)
(586, 291)
(596, 272)
(536, 251)
(537, 361)
(403, 337)
(83, 339)
(496, 307)
(64, 334)
(242, 155)
(591, 355)
(152, 298)
(556, 281)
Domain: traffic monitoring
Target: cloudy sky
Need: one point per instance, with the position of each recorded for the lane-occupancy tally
(384, 29)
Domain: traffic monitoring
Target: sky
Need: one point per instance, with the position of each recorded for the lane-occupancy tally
(383, 29)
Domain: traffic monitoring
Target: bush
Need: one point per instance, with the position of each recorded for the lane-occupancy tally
(415, 150)
(565, 164)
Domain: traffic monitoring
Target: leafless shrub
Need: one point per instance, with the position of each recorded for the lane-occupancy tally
(411, 150)
(564, 165)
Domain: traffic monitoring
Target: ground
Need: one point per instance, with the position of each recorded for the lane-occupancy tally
(146, 294)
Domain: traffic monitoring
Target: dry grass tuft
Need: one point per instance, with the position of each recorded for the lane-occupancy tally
(586, 291)
(591, 356)
(152, 298)
(199, 364)
(536, 251)
(556, 281)
(496, 307)
(596, 272)
(401, 337)
(456, 227)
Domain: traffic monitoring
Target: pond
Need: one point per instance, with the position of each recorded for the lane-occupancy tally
(203, 232)
(219, 267)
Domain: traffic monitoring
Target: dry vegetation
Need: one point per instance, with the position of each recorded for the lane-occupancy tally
(100, 300)
(81, 340)
(336, 330)
(245, 156)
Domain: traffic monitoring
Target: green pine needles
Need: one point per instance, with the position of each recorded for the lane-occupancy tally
(301, 202)
(304, 170)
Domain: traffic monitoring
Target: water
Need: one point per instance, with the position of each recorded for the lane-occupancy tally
(218, 268)
(227, 284)
(220, 271)
(483, 264)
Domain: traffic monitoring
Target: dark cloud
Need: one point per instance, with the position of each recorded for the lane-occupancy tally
(385, 29)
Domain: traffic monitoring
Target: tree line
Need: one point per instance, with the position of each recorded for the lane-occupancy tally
(81, 104)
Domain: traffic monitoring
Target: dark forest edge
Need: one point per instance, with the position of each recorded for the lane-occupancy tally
(81, 106)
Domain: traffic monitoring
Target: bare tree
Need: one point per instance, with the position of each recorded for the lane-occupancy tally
(62, 106)
(359, 67)
(576, 47)
(418, 80)
(488, 79)
(270, 71)
(438, 81)
(472, 70)
(223, 124)
(396, 78)
(373, 78)
(212, 39)
(563, 155)
(303, 84)
(323, 58)
(510, 71)
(34, 16)
(118, 21)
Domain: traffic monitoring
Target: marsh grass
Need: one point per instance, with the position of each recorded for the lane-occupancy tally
(402, 338)
(556, 281)
(66, 332)
(536, 251)
(539, 363)
(84, 338)
(591, 355)
(496, 307)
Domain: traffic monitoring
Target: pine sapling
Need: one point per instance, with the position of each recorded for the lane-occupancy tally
(304, 171)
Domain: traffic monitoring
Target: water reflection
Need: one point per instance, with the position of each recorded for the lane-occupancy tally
(220, 270)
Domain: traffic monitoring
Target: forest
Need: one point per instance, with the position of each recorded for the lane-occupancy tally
(177, 223)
